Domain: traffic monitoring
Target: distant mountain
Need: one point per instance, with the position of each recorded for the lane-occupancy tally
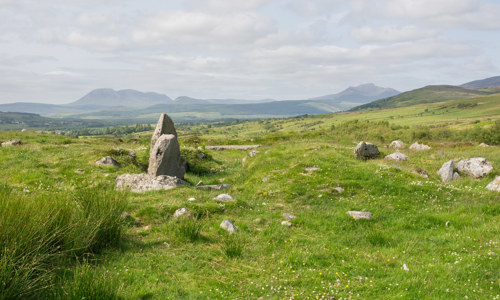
(127, 98)
(428, 94)
(483, 83)
(360, 94)
(33, 108)
(189, 100)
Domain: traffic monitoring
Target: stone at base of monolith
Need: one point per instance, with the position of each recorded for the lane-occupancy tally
(140, 183)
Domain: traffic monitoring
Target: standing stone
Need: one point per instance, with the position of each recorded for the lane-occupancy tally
(396, 144)
(165, 157)
(476, 167)
(165, 125)
(446, 171)
(494, 185)
(366, 151)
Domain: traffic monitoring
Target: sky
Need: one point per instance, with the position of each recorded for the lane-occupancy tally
(56, 51)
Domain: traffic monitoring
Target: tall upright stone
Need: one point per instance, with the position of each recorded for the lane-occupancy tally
(165, 154)
(165, 125)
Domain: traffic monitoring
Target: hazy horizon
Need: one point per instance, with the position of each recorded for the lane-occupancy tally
(58, 51)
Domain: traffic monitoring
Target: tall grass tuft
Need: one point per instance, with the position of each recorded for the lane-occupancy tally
(37, 231)
(188, 229)
(233, 246)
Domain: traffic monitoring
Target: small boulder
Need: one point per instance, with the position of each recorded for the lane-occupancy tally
(192, 199)
(12, 143)
(107, 161)
(286, 223)
(289, 216)
(360, 214)
(494, 185)
(483, 145)
(201, 155)
(446, 171)
(396, 156)
(417, 146)
(456, 176)
(181, 212)
(366, 151)
(132, 155)
(476, 167)
(396, 144)
(224, 198)
(339, 189)
(228, 226)
(253, 153)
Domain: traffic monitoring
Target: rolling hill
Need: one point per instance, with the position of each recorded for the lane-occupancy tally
(428, 94)
(483, 83)
(362, 93)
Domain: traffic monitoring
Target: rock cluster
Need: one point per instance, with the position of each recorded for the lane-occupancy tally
(396, 144)
(366, 151)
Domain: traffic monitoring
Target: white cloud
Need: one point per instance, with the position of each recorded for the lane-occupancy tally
(391, 33)
(422, 9)
(315, 8)
(224, 6)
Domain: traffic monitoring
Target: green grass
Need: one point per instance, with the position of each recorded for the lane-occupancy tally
(446, 234)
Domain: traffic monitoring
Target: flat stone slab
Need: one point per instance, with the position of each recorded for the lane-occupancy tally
(232, 147)
(396, 156)
(357, 215)
(494, 185)
(214, 187)
(139, 183)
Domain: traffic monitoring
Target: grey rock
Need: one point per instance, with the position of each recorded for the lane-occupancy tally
(139, 183)
(165, 125)
(228, 226)
(265, 179)
(366, 151)
(339, 189)
(181, 212)
(417, 146)
(289, 216)
(396, 144)
(12, 143)
(312, 169)
(107, 161)
(456, 176)
(192, 199)
(224, 198)
(125, 216)
(476, 167)
(446, 171)
(396, 156)
(483, 145)
(286, 223)
(213, 187)
(132, 155)
(165, 157)
(232, 147)
(201, 155)
(243, 161)
(360, 214)
(253, 153)
(494, 185)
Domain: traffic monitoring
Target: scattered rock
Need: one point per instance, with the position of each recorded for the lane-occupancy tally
(422, 173)
(192, 199)
(166, 244)
(286, 223)
(446, 171)
(165, 157)
(221, 179)
(476, 167)
(229, 226)
(267, 152)
(253, 153)
(139, 183)
(360, 214)
(201, 155)
(213, 187)
(396, 156)
(396, 144)
(138, 222)
(405, 268)
(79, 171)
(289, 216)
(339, 189)
(24, 130)
(483, 145)
(243, 161)
(232, 147)
(181, 212)
(224, 198)
(200, 183)
(456, 176)
(257, 220)
(125, 216)
(312, 169)
(366, 151)
(265, 179)
(107, 161)
(417, 146)
(132, 155)
(494, 185)
(12, 143)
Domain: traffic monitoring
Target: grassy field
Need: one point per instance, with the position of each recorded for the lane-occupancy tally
(445, 234)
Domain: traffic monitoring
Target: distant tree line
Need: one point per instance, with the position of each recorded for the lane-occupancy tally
(114, 130)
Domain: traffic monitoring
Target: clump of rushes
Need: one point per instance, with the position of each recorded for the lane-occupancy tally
(188, 229)
(233, 246)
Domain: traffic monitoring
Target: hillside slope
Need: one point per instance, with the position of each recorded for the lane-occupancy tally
(483, 83)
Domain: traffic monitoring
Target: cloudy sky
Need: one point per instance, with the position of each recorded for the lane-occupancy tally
(56, 51)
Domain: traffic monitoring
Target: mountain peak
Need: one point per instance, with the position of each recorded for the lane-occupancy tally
(362, 93)
(129, 98)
